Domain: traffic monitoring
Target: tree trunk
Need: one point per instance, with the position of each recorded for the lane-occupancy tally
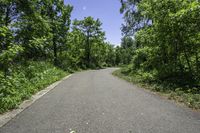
(197, 62)
(88, 49)
(5, 46)
(188, 61)
(55, 51)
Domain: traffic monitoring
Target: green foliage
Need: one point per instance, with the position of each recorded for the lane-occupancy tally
(25, 81)
(9, 51)
(93, 38)
(42, 30)
(168, 45)
(7, 56)
(132, 17)
(125, 52)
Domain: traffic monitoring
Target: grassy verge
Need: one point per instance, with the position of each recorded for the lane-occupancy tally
(190, 97)
(26, 80)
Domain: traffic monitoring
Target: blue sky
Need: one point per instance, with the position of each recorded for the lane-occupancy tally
(106, 10)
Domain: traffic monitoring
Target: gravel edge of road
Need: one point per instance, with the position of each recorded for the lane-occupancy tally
(6, 117)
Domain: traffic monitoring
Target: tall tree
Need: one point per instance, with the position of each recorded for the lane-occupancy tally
(92, 30)
(8, 48)
(133, 19)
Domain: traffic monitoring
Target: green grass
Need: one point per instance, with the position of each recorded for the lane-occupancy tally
(26, 80)
(190, 97)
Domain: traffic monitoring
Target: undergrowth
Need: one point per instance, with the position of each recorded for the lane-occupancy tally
(24, 81)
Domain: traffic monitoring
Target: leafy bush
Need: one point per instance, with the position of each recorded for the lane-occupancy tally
(24, 81)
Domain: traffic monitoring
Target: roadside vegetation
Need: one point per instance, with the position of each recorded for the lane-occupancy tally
(163, 40)
(26, 80)
(40, 44)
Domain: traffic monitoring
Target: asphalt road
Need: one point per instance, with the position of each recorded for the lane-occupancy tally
(96, 102)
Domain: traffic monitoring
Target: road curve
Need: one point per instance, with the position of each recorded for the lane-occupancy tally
(96, 102)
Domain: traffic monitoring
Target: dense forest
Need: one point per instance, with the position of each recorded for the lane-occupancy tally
(39, 44)
(163, 38)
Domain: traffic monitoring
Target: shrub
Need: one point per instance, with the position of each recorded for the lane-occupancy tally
(24, 81)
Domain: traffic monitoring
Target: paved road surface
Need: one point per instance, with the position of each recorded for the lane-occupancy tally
(97, 102)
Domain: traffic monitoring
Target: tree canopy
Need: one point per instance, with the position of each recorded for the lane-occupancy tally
(40, 30)
(166, 35)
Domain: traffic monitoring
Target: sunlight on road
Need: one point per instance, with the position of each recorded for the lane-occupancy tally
(72, 131)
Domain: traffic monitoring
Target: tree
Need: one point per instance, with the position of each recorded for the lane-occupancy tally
(133, 19)
(8, 50)
(74, 54)
(59, 16)
(168, 45)
(92, 30)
